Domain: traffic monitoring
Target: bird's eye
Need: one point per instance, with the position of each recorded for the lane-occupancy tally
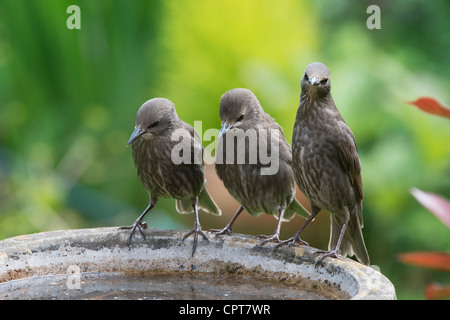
(240, 118)
(323, 81)
(154, 124)
(306, 77)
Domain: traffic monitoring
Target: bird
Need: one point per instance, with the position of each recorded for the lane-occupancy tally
(260, 185)
(168, 155)
(327, 168)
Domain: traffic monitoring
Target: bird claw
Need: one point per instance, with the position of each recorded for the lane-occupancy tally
(138, 224)
(221, 232)
(196, 231)
(291, 242)
(332, 253)
(272, 238)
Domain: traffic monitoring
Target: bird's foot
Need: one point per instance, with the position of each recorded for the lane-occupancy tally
(332, 253)
(221, 232)
(272, 238)
(138, 224)
(196, 231)
(291, 242)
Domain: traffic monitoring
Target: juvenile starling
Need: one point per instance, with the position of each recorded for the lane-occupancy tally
(327, 167)
(168, 155)
(259, 182)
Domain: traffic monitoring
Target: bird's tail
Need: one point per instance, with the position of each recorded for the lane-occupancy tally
(205, 203)
(295, 208)
(353, 240)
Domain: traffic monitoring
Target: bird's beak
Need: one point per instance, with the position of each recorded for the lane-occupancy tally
(314, 81)
(136, 134)
(224, 128)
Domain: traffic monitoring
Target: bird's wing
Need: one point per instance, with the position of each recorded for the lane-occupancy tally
(205, 201)
(348, 155)
(285, 149)
(197, 150)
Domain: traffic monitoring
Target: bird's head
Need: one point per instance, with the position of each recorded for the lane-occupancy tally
(154, 117)
(237, 108)
(316, 80)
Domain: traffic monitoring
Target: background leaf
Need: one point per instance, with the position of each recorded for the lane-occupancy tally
(432, 260)
(437, 291)
(430, 105)
(436, 204)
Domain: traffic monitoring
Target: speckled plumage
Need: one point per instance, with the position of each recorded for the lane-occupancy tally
(152, 144)
(158, 174)
(326, 164)
(241, 114)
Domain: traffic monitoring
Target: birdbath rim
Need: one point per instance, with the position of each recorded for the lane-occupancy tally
(106, 249)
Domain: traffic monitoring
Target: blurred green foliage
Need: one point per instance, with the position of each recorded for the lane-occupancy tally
(68, 100)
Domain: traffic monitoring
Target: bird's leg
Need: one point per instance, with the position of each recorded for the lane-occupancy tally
(138, 224)
(276, 235)
(227, 229)
(335, 251)
(196, 230)
(296, 238)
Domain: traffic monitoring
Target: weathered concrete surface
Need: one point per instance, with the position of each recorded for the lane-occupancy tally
(105, 250)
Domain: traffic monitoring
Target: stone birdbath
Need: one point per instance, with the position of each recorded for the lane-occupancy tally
(98, 264)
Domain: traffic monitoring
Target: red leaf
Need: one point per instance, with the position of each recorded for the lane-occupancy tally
(432, 260)
(430, 105)
(437, 291)
(437, 205)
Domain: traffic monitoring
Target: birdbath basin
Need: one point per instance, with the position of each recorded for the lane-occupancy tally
(98, 264)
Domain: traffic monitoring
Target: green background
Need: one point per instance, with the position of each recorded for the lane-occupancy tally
(68, 100)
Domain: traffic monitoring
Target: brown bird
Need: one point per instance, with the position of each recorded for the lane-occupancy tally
(168, 155)
(327, 167)
(259, 182)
